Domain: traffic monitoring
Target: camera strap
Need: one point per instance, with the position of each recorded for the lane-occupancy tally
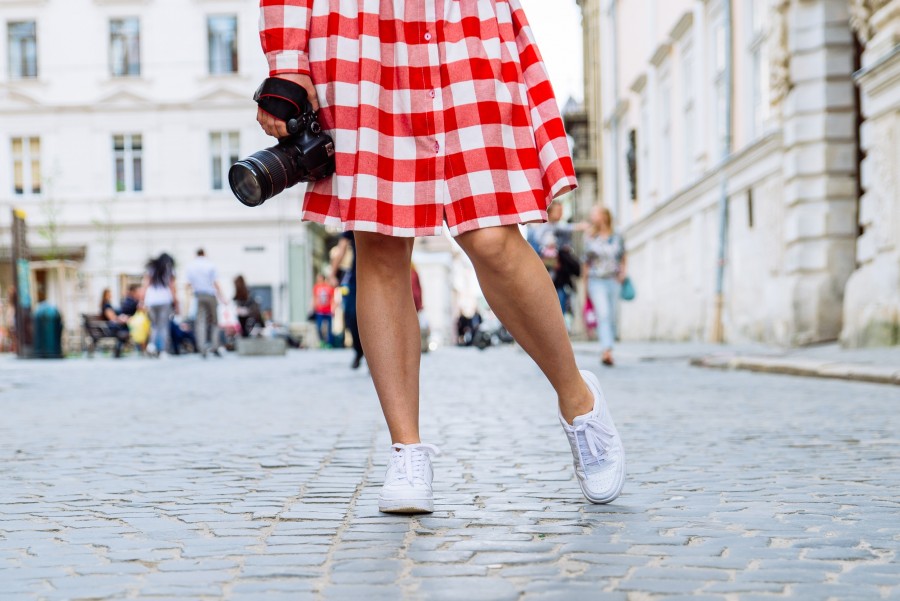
(281, 98)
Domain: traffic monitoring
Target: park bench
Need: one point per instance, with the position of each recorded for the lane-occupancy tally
(97, 332)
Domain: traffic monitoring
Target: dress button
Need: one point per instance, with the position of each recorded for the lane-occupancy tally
(428, 37)
(431, 93)
(437, 147)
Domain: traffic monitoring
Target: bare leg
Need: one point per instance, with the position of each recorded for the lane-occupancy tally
(389, 329)
(519, 290)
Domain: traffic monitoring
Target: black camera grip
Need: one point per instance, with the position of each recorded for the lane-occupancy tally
(282, 99)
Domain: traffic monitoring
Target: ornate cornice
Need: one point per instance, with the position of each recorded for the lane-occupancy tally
(861, 12)
(780, 83)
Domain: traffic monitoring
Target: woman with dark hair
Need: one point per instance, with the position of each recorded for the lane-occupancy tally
(107, 311)
(248, 311)
(160, 300)
(116, 325)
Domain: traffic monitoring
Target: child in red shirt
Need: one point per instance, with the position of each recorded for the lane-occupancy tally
(323, 307)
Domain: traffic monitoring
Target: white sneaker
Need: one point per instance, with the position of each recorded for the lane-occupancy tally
(407, 483)
(599, 457)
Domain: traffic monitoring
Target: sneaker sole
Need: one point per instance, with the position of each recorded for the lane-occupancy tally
(405, 505)
(612, 496)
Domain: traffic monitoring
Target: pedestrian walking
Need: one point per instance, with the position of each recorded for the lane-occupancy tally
(606, 264)
(554, 230)
(160, 299)
(248, 312)
(441, 112)
(323, 309)
(202, 276)
(347, 243)
(424, 326)
(553, 243)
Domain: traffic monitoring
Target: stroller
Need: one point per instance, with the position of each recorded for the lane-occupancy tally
(491, 332)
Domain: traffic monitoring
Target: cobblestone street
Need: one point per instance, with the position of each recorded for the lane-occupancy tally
(257, 479)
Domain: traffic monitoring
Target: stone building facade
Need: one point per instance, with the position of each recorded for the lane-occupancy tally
(872, 295)
(582, 120)
(731, 160)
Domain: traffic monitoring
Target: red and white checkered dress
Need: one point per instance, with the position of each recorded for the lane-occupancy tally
(440, 110)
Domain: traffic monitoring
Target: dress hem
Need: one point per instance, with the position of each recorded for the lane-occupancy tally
(536, 216)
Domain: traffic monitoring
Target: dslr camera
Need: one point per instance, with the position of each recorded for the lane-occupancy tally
(304, 155)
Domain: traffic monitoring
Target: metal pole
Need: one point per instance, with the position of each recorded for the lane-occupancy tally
(718, 328)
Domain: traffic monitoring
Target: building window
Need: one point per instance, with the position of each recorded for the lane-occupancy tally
(687, 94)
(222, 44)
(22, 49)
(125, 47)
(224, 147)
(759, 67)
(26, 157)
(128, 156)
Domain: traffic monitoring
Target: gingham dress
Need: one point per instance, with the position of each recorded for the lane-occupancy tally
(441, 110)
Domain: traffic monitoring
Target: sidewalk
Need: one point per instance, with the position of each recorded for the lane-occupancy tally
(877, 365)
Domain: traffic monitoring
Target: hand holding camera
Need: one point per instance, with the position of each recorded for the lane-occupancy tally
(303, 152)
(277, 127)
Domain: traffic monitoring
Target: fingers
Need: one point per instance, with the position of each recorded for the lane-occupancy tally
(307, 84)
(277, 127)
(304, 81)
(271, 125)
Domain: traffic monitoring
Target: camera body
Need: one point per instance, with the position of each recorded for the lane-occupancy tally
(306, 154)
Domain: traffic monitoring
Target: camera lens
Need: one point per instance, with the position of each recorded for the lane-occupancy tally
(260, 176)
(245, 183)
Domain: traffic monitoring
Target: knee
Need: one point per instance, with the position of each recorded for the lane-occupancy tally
(493, 248)
(385, 255)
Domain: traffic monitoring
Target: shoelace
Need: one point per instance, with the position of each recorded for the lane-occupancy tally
(598, 437)
(412, 457)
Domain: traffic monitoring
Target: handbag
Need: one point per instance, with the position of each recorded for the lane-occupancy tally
(590, 316)
(628, 292)
(139, 327)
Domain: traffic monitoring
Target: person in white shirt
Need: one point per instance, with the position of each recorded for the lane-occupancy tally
(201, 274)
(158, 297)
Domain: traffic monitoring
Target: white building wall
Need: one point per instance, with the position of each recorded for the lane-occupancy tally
(789, 175)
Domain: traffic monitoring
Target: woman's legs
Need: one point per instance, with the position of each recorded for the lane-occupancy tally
(159, 326)
(165, 328)
(154, 314)
(352, 325)
(320, 328)
(519, 290)
(389, 329)
(600, 291)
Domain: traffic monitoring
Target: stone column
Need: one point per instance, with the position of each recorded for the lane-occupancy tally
(819, 168)
(872, 299)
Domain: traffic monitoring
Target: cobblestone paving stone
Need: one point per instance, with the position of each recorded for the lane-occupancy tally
(246, 479)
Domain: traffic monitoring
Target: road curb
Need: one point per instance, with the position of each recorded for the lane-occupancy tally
(803, 367)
